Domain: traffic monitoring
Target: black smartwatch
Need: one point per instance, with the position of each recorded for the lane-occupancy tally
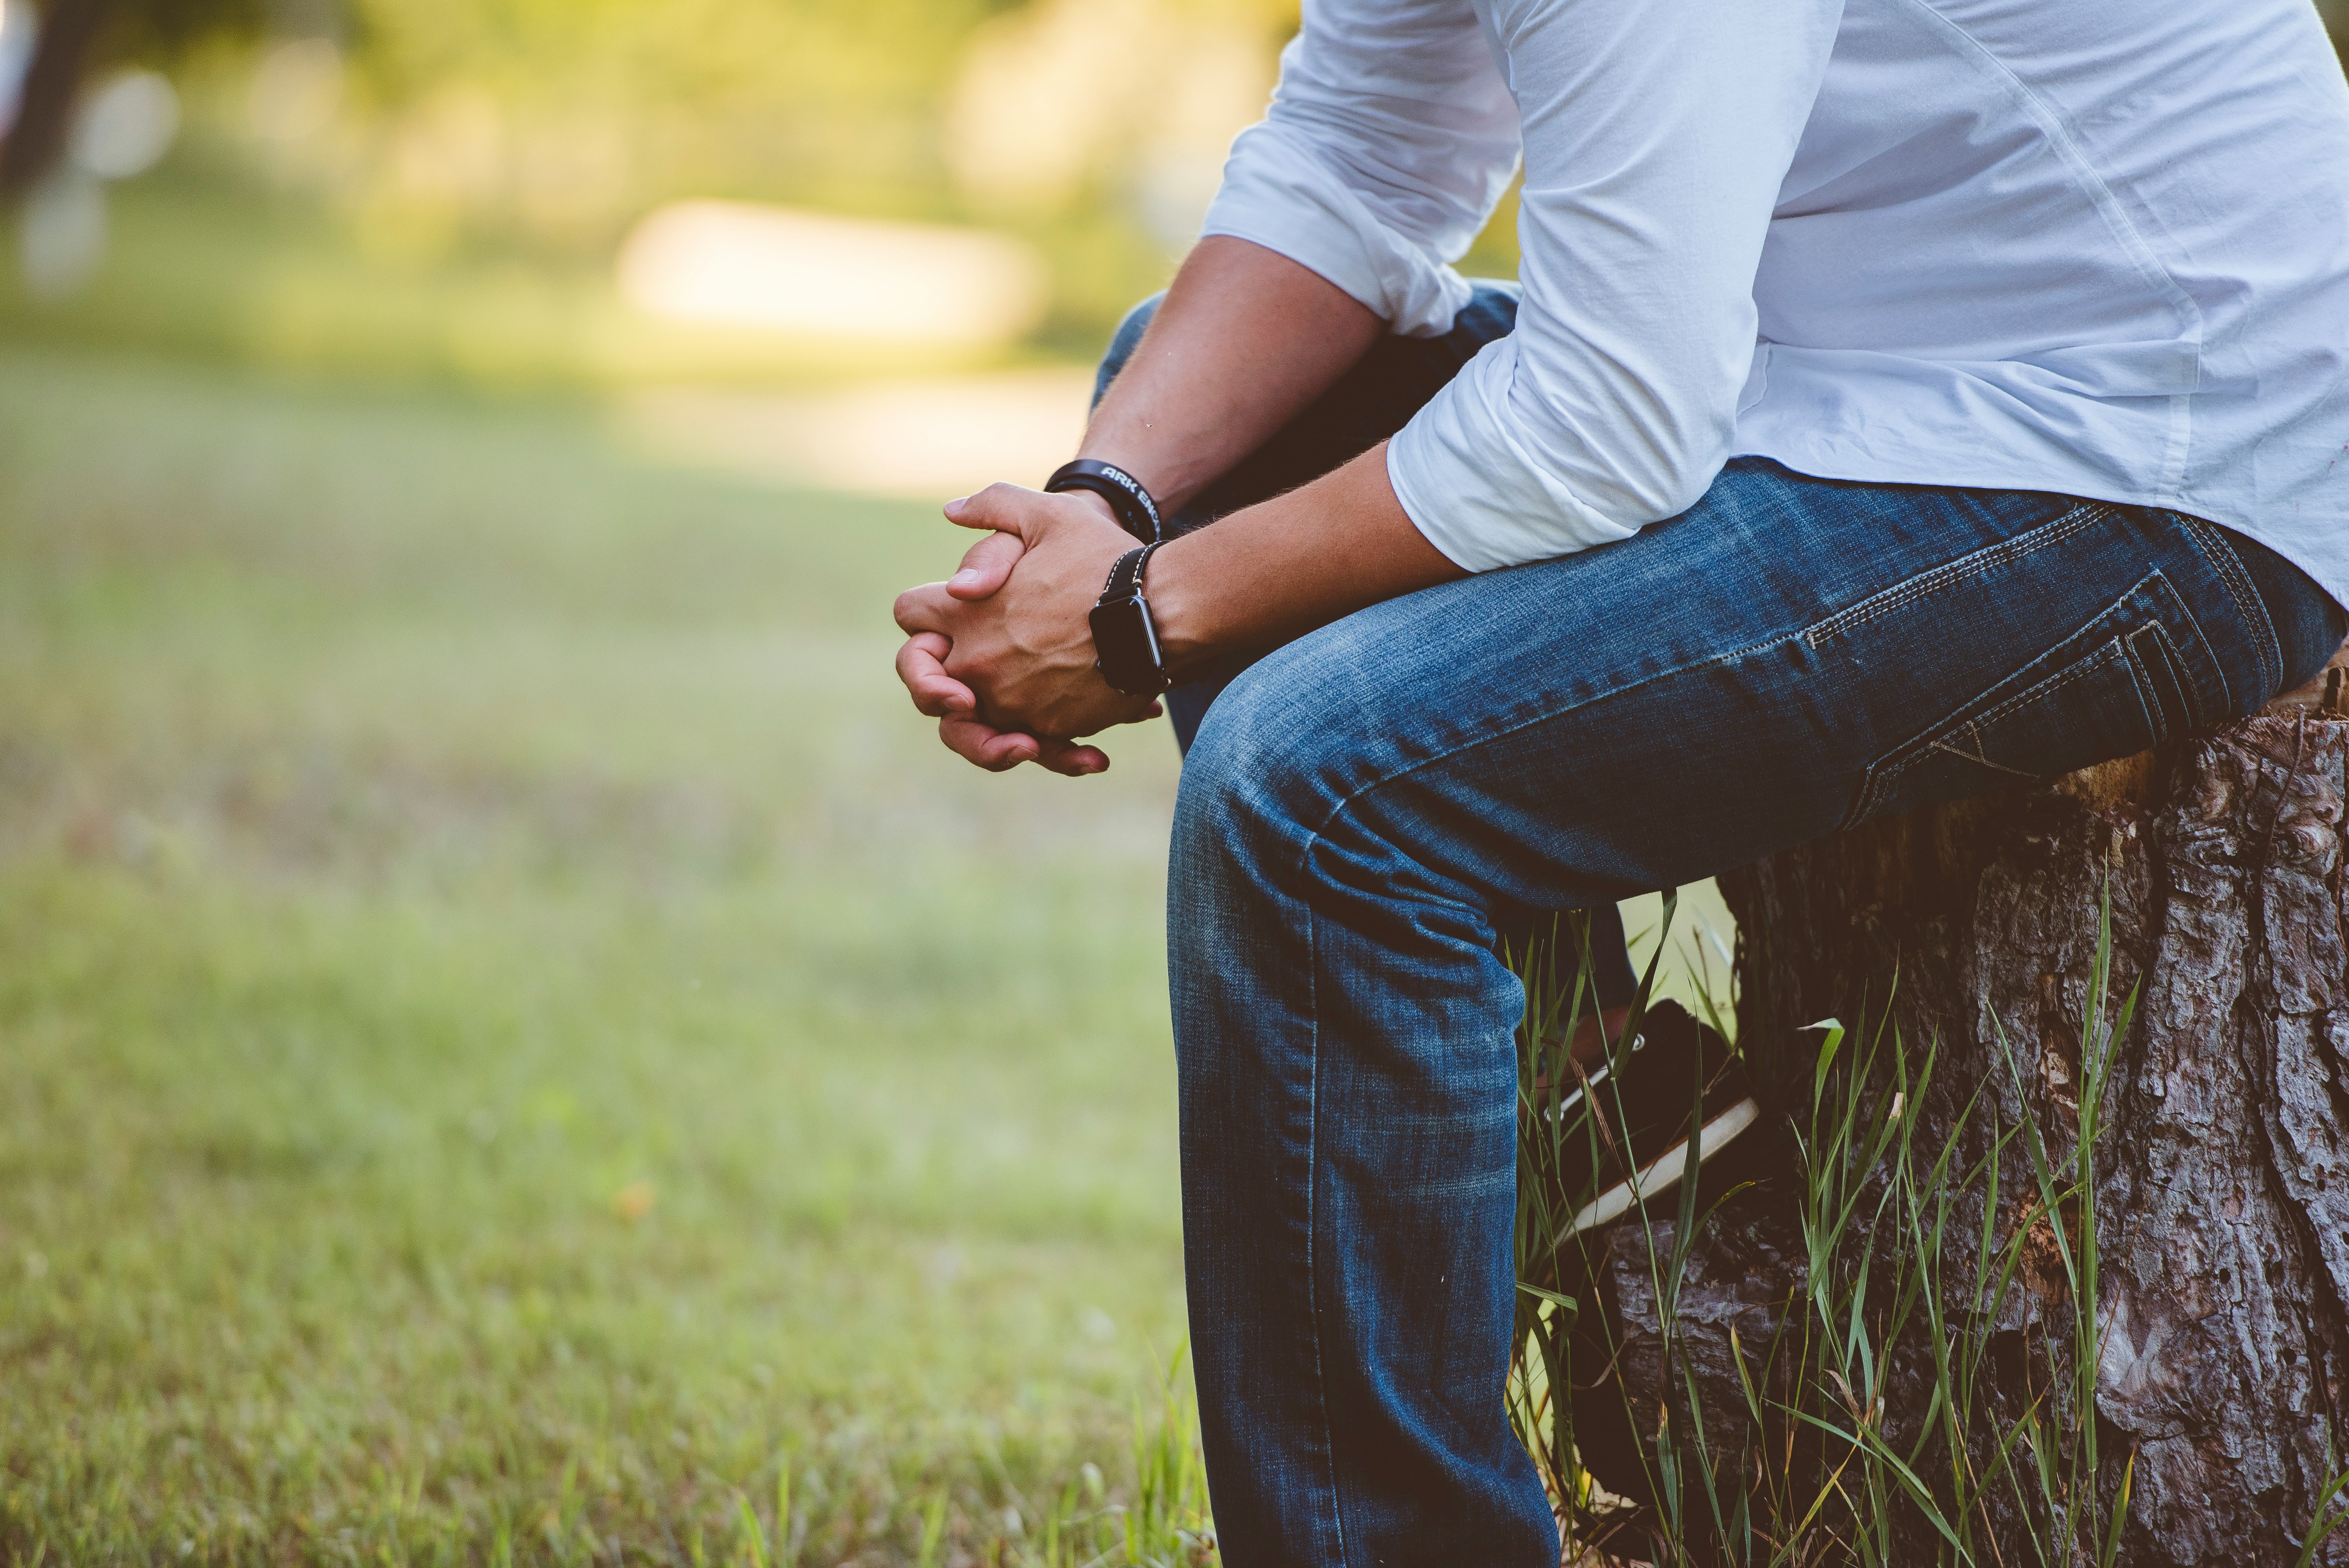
(1126, 639)
(1137, 513)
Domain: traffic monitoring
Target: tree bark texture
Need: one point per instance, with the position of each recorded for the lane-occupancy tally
(2222, 1174)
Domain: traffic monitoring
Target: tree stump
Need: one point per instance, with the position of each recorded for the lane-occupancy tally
(2222, 1179)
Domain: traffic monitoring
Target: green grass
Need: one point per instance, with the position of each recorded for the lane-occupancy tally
(513, 1042)
(1821, 1470)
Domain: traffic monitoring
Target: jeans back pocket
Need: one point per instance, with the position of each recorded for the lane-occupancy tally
(2130, 679)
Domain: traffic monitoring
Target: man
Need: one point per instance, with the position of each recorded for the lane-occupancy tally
(1904, 397)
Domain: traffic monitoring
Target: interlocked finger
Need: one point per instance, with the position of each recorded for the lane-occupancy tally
(921, 665)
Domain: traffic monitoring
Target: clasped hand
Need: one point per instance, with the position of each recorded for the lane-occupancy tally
(1003, 659)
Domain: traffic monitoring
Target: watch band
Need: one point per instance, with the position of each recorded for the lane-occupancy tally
(1126, 639)
(1125, 573)
(1137, 513)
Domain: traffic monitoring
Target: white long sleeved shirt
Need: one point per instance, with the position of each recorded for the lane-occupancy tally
(2060, 245)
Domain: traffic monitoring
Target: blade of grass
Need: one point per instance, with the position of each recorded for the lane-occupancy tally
(2319, 1527)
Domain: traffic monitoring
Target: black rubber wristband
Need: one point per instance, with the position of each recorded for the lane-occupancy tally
(1137, 513)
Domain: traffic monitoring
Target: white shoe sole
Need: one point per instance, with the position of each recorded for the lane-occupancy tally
(1665, 1171)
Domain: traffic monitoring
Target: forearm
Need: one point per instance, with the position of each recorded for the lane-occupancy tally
(1007, 661)
(1244, 340)
(1280, 568)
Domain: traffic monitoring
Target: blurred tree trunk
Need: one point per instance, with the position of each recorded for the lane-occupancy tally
(38, 137)
(2222, 1174)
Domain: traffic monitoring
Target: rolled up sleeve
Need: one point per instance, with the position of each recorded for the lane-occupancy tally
(1656, 134)
(1391, 138)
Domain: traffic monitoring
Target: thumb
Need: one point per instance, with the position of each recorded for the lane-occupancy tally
(998, 506)
(986, 565)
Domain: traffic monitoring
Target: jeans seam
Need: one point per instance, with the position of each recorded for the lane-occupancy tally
(1312, 1224)
(2175, 666)
(2251, 609)
(2054, 531)
(2188, 676)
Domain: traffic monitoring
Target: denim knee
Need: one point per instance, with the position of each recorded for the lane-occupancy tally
(1122, 343)
(1258, 777)
(1235, 773)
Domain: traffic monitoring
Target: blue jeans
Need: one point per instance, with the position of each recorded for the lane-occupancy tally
(1385, 390)
(1361, 808)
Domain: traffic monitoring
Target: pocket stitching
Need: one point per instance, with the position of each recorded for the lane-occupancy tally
(2191, 672)
(2167, 600)
(2000, 554)
(2180, 675)
(1881, 776)
(1973, 727)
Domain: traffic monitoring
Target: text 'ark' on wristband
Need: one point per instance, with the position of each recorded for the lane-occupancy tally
(1136, 512)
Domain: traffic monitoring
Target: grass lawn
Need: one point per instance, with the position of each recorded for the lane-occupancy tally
(511, 1034)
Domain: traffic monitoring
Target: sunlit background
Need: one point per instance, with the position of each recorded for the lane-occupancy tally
(514, 1044)
(625, 199)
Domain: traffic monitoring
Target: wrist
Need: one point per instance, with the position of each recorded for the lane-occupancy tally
(1180, 610)
(1101, 505)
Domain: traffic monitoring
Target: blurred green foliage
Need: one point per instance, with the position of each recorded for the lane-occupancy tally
(831, 100)
(160, 31)
(834, 103)
(456, 216)
(523, 138)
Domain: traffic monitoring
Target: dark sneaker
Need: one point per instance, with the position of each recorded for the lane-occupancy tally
(1634, 1141)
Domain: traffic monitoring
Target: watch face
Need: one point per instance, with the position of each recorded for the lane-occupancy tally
(1125, 645)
